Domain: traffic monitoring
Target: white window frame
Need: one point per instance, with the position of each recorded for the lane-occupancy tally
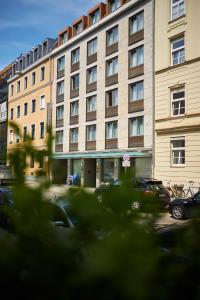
(136, 86)
(173, 164)
(177, 50)
(42, 102)
(139, 26)
(112, 36)
(177, 100)
(173, 5)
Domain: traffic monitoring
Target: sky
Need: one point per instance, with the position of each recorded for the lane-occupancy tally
(26, 23)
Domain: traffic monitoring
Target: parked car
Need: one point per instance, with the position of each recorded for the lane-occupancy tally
(142, 190)
(181, 208)
(5, 201)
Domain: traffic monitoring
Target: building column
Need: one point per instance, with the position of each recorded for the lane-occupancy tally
(98, 171)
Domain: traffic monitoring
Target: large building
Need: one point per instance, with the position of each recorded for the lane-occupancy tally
(177, 91)
(29, 102)
(102, 92)
(4, 76)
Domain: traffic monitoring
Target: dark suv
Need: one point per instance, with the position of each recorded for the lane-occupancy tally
(142, 191)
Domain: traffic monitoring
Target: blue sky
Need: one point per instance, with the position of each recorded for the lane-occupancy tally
(25, 23)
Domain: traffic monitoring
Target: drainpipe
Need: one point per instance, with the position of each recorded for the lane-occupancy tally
(153, 87)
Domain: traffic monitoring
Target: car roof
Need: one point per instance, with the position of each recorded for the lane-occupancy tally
(148, 179)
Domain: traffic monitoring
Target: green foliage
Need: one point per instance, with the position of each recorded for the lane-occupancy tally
(110, 254)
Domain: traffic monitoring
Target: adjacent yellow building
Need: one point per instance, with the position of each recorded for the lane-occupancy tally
(177, 91)
(29, 102)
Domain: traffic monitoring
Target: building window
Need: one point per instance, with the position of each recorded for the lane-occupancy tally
(45, 48)
(60, 88)
(91, 103)
(63, 38)
(59, 137)
(12, 90)
(137, 126)
(18, 86)
(178, 151)
(17, 135)
(32, 161)
(25, 82)
(74, 135)
(136, 91)
(137, 57)
(74, 108)
(178, 51)
(112, 36)
(112, 66)
(60, 112)
(18, 111)
(75, 56)
(42, 102)
(178, 102)
(92, 75)
(24, 134)
(75, 82)
(33, 106)
(42, 130)
(111, 130)
(33, 131)
(11, 113)
(92, 47)
(33, 78)
(25, 109)
(114, 4)
(177, 8)
(91, 133)
(61, 64)
(11, 137)
(137, 23)
(36, 54)
(78, 28)
(42, 73)
(95, 17)
(112, 98)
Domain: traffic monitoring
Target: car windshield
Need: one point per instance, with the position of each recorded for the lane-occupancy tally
(117, 182)
(155, 185)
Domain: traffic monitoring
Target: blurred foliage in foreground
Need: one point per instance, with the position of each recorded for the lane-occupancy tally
(110, 254)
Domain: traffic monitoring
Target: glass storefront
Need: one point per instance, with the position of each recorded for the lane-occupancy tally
(76, 166)
(108, 170)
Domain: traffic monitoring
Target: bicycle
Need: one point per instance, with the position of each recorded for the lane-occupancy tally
(175, 191)
(188, 193)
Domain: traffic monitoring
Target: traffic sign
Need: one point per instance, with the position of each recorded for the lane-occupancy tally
(126, 157)
(126, 164)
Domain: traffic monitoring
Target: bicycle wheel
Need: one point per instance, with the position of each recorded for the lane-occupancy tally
(187, 193)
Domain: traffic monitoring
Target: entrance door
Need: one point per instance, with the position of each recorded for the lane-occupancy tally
(90, 172)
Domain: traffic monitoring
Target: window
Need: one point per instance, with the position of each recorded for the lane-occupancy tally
(25, 82)
(137, 57)
(12, 90)
(91, 133)
(178, 51)
(17, 135)
(137, 126)
(18, 111)
(74, 135)
(11, 113)
(60, 112)
(91, 103)
(24, 134)
(114, 4)
(33, 131)
(33, 78)
(75, 56)
(18, 86)
(63, 38)
(74, 109)
(25, 109)
(137, 23)
(136, 91)
(112, 66)
(42, 73)
(60, 88)
(42, 130)
(178, 151)
(36, 54)
(92, 47)
(59, 137)
(177, 8)
(45, 48)
(32, 161)
(111, 130)
(11, 137)
(42, 102)
(112, 98)
(78, 28)
(178, 102)
(112, 36)
(95, 17)
(61, 64)
(92, 75)
(33, 106)
(75, 82)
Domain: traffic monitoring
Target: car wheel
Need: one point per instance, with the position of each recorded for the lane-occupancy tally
(178, 212)
(135, 205)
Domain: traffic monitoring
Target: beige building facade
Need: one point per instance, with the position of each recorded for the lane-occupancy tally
(29, 103)
(102, 92)
(177, 91)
